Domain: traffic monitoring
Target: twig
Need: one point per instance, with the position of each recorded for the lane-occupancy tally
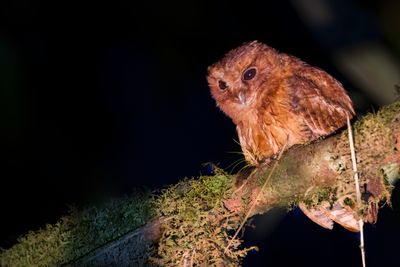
(256, 199)
(358, 193)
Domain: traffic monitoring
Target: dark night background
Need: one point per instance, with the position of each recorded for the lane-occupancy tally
(100, 98)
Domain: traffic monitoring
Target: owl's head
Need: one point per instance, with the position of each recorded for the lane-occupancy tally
(239, 77)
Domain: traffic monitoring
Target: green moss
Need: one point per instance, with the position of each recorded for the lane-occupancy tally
(383, 117)
(197, 223)
(80, 232)
(188, 198)
(390, 173)
(196, 218)
(389, 112)
(348, 202)
(321, 194)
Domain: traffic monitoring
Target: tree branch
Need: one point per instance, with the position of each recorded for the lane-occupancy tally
(196, 217)
(322, 171)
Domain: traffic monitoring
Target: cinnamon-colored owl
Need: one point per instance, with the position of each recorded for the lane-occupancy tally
(276, 99)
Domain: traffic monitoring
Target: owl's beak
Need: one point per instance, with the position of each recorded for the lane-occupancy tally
(242, 98)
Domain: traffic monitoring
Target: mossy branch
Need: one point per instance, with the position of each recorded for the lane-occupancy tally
(320, 171)
(195, 218)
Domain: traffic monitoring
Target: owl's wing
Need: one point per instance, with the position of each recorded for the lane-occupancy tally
(320, 100)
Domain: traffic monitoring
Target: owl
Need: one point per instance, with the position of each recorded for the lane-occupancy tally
(276, 100)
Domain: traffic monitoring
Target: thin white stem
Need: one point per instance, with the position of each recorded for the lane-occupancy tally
(358, 193)
(256, 199)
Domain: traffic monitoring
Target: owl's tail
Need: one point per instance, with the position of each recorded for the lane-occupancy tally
(325, 214)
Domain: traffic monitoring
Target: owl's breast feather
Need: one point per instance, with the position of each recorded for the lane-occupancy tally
(263, 135)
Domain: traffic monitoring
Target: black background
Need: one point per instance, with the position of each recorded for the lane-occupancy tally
(99, 98)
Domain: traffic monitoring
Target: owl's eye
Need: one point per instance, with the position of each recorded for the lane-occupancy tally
(222, 85)
(249, 74)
